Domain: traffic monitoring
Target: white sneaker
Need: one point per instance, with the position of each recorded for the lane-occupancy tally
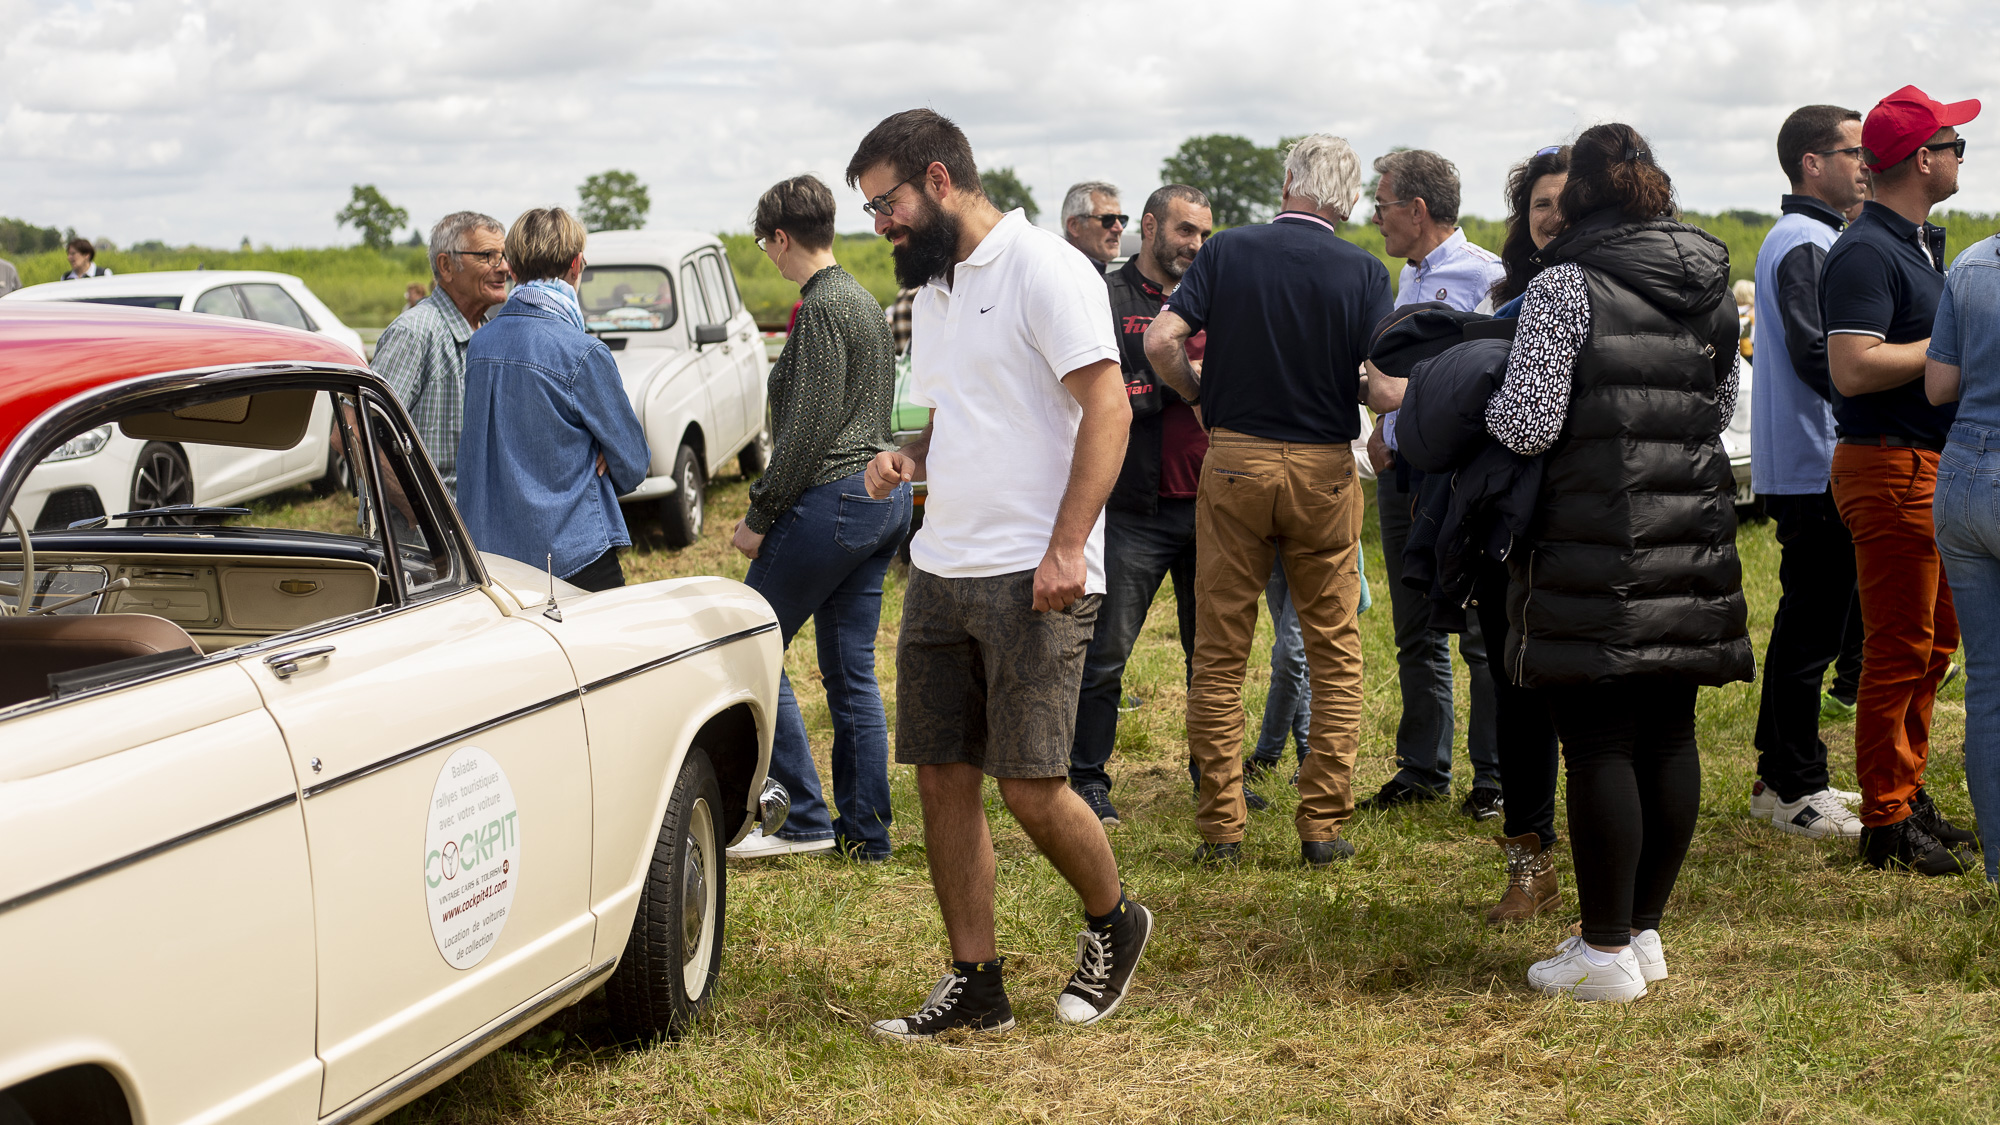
(1817, 816)
(759, 846)
(1763, 799)
(1847, 797)
(1570, 973)
(1652, 958)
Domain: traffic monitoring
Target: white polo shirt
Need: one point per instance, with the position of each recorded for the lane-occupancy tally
(988, 352)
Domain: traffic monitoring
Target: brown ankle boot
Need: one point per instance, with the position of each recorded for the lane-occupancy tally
(1531, 880)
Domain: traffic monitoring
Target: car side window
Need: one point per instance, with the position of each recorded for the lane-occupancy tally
(221, 301)
(271, 304)
(713, 288)
(729, 286)
(426, 562)
(691, 296)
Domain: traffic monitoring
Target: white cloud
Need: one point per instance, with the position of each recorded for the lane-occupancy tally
(205, 120)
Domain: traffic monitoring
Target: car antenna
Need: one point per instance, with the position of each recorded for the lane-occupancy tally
(551, 612)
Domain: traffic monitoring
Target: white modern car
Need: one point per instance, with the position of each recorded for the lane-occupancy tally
(666, 304)
(103, 472)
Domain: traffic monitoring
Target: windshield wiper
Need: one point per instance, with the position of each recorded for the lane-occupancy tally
(189, 512)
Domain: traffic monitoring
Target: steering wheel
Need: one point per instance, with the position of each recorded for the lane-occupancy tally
(24, 593)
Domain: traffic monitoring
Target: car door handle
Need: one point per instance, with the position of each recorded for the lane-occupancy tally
(284, 664)
(725, 349)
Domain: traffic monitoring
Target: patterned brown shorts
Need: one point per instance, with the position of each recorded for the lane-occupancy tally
(982, 678)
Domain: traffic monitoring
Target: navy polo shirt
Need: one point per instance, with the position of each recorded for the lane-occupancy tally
(1288, 306)
(1879, 281)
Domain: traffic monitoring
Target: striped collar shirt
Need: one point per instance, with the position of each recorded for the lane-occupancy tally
(422, 358)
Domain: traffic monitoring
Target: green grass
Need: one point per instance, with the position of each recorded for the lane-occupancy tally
(1804, 988)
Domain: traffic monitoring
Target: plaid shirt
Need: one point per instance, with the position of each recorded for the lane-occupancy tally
(422, 358)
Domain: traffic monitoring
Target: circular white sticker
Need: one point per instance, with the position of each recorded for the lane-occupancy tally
(472, 856)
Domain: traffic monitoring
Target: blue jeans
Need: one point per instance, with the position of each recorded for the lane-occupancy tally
(1139, 552)
(824, 559)
(1967, 515)
(1423, 669)
(1288, 706)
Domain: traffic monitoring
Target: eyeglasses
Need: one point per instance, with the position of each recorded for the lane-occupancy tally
(1381, 203)
(1855, 152)
(763, 241)
(1107, 221)
(880, 205)
(1957, 147)
(486, 257)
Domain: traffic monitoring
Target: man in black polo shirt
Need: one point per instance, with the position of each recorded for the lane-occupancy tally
(1149, 520)
(1878, 295)
(1288, 307)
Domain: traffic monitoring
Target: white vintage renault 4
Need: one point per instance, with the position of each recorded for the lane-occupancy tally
(666, 304)
(303, 810)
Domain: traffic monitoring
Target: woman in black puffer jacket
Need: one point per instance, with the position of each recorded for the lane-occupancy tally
(1628, 595)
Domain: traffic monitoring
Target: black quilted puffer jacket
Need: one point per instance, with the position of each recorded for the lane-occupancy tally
(1631, 567)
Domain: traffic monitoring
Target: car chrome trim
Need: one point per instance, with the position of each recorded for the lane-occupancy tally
(697, 650)
(502, 1028)
(533, 709)
(149, 852)
(440, 743)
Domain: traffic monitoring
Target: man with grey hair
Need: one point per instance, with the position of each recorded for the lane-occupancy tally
(1416, 205)
(1288, 307)
(421, 355)
(1091, 221)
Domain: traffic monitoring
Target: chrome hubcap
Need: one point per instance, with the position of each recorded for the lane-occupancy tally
(691, 485)
(700, 879)
(694, 896)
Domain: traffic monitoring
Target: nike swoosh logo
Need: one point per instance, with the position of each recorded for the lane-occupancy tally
(988, 309)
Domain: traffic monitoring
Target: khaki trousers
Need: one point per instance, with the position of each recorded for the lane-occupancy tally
(1261, 499)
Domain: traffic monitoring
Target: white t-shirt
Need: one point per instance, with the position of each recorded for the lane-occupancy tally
(989, 352)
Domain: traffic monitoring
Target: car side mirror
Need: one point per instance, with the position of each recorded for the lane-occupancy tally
(711, 333)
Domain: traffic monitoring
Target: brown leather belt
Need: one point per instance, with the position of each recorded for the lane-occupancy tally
(1896, 440)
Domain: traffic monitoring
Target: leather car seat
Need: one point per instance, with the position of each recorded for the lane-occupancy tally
(33, 647)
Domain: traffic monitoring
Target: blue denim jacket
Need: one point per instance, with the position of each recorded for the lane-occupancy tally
(542, 400)
(1966, 333)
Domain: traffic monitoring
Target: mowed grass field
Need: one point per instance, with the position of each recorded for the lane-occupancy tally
(1804, 987)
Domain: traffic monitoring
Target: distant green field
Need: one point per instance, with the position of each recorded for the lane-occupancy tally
(365, 287)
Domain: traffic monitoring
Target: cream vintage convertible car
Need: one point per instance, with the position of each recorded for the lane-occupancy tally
(297, 820)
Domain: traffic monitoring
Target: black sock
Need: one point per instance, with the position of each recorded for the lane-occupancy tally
(985, 972)
(1104, 923)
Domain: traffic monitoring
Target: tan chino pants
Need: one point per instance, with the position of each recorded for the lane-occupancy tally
(1301, 504)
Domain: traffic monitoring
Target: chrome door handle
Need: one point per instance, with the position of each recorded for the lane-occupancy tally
(725, 349)
(284, 664)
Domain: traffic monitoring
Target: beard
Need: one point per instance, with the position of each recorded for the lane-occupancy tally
(1167, 259)
(930, 245)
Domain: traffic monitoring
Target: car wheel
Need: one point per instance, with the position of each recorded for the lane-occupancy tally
(674, 955)
(756, 457)
(159, 479)
(681, 513)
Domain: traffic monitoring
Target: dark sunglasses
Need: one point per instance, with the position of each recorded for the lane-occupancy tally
(1957, 147)
(1107, 221)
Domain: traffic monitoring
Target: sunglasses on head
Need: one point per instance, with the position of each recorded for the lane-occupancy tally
(1549, 151)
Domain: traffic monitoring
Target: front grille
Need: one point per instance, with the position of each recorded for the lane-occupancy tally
(67, 506)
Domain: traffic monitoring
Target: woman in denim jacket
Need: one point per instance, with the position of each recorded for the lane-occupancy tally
(1962, 365)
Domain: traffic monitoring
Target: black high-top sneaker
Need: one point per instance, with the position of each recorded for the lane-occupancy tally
(1906, 844)
(1104, 963)
(969, 998)
(1924, 811)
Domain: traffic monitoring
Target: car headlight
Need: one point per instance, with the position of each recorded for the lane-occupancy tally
(82, 445)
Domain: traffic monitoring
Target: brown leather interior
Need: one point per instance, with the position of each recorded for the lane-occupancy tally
(33, 647)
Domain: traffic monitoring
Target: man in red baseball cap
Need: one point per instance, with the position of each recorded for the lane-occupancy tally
(1879, 293)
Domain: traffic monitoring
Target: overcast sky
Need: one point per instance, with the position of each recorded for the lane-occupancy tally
(208, 120)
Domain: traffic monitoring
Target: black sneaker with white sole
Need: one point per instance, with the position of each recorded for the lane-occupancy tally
(969, 998)
(1104, 963)
(1099, 800)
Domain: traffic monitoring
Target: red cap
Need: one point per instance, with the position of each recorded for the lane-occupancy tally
(1906, 119)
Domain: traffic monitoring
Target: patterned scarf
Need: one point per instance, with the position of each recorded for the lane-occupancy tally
(565, 298)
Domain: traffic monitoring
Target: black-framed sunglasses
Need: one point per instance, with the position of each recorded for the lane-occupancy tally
(486, 257)
(1854, 151)
(1957, 147)
(1108, 220)
(881, 204)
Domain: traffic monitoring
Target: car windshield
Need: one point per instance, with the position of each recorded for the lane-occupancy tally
(161, 302)
(626, 298)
